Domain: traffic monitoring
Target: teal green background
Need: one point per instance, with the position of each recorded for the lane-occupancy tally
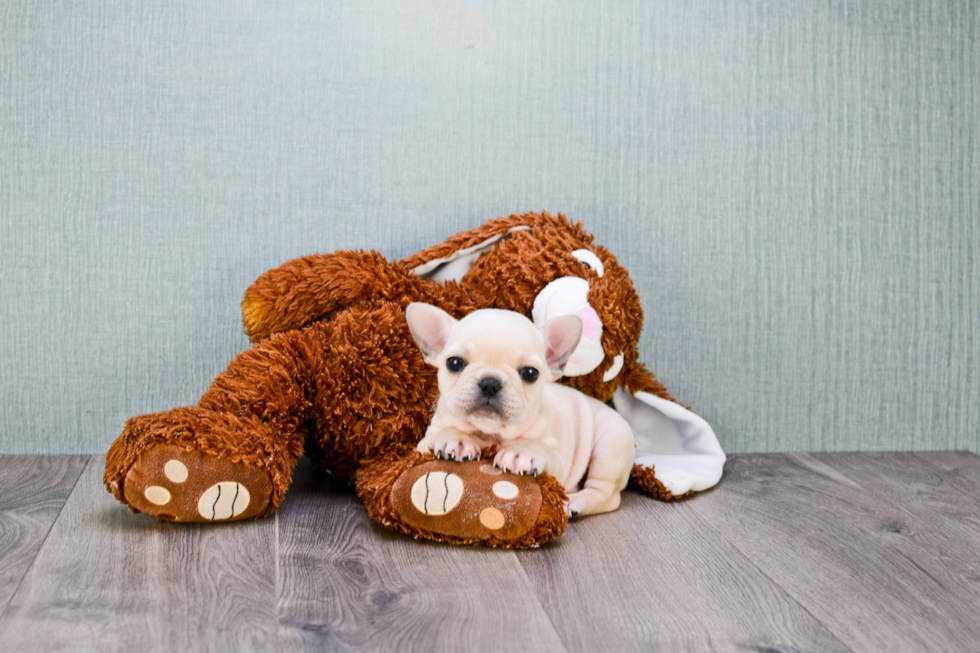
(793, 185)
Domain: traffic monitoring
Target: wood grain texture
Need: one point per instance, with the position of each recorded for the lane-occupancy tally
(944, 505)
(834, 552)
(863, 563)
(942, 488)
(347, 585)
(33, 490)
(961, 469)
(658, 577)
(109, 580)
(792, 185)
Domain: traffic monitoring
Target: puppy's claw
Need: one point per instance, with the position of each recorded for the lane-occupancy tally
(456, 449)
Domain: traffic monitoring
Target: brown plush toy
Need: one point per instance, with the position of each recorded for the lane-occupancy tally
(335, 374)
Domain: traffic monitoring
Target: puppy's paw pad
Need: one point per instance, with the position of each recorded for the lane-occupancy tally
(177, 485)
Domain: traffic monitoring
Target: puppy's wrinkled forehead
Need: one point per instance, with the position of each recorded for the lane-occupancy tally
(496, 337)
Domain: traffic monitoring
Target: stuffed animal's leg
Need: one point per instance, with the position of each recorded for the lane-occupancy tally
(312, 289)
(231, 456)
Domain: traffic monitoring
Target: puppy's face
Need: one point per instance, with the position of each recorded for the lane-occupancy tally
(493, 364)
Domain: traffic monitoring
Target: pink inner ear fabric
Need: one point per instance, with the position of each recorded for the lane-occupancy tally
(591, 324)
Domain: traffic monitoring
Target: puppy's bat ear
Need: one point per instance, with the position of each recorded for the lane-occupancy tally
(561, 336)
(430, 327)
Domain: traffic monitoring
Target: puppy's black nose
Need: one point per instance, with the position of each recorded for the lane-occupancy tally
(489, 387)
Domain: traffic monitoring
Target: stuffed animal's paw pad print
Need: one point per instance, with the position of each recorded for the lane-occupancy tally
(223, 500)
(436, 493)
(174, 484)
(469, 500)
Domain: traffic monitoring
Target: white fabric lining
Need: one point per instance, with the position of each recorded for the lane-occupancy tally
(680, 446)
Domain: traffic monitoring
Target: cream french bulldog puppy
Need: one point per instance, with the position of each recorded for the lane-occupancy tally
(496, 384)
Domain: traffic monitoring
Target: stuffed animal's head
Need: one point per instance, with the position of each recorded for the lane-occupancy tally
(544, 267)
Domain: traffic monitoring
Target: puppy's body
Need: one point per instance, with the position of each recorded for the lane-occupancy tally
(539, 426)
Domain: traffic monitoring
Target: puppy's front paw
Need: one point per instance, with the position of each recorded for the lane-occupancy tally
(457, 448)
(521, 459)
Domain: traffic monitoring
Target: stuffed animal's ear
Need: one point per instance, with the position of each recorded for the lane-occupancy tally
(430, 326)
(561, 337)
(451, 259)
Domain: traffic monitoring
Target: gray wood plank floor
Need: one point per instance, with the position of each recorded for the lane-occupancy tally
(32, 491)
(828, 552)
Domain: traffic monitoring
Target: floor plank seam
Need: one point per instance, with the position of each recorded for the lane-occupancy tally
(20, 582)
(544, 609)
(762, 571)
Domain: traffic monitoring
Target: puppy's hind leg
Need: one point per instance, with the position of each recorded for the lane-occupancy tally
(609, 468)
(598, 496)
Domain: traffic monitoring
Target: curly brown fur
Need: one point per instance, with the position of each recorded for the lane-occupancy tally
(334, 370)
(643, 480)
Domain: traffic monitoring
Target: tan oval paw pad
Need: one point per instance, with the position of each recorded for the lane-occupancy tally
(505, 490)
(492, 519)
(176, 471)
(158, 496)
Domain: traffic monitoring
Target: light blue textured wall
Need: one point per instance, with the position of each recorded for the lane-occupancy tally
(794, 185)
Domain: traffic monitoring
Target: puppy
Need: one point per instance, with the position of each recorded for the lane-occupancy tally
(496, 374)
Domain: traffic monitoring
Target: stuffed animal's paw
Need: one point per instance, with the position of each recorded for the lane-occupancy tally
(462, 502)
(171, 483)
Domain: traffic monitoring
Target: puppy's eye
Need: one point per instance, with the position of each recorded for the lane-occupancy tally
(455, 364)
(529, 374)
